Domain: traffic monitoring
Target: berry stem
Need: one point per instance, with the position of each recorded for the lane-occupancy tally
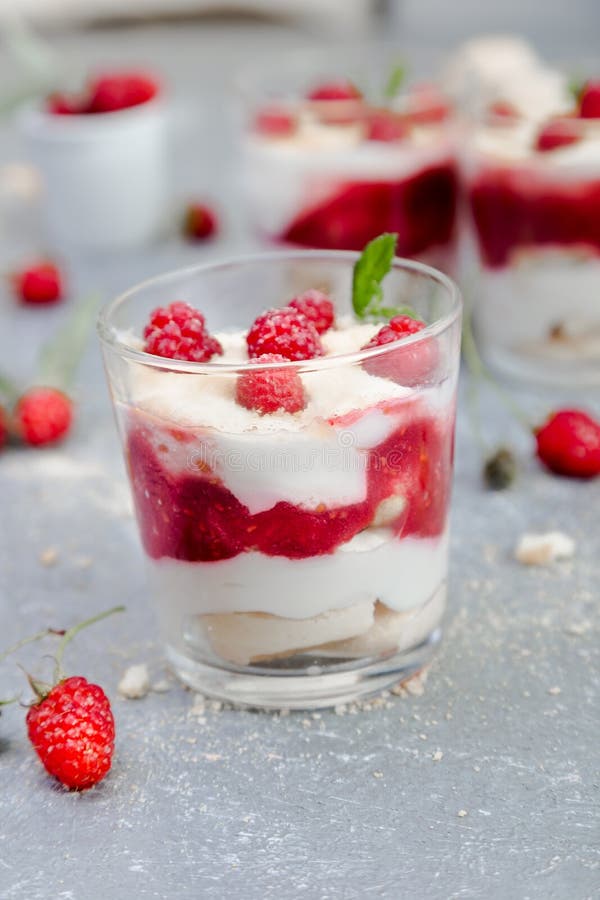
(30, 640)
(8, 389)
(60, 357)
(70, 634)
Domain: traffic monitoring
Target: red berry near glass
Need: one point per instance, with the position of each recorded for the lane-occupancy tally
(39, 284)
(589, 100)
(200, 222)
(568, 443)
(106, 93)
(42, 416)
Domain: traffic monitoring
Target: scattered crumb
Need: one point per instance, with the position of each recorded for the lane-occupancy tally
(437, 756)
(341, 709)
(161, 687)
(212, 757)
(554, 690)
(377, 774)
(541, 549)
(135, 682)
(199, 706)
(577, 628)
(83, 562)
(477, 768)
(423, 737)
(49, 556)
(462, 813)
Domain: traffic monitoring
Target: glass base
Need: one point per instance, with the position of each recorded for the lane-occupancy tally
(545, 371)
(305, 682)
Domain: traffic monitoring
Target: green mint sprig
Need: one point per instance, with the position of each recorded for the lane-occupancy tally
(395, 81)
(370, 269)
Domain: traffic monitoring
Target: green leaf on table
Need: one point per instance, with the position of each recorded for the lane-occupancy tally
(395, 81)
(61, 355)
(369, 271)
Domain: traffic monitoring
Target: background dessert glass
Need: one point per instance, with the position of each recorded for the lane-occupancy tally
(334, 174)
(535, 220)
(296, 560)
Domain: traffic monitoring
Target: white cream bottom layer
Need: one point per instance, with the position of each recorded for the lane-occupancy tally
(375, 594)
(545, 304)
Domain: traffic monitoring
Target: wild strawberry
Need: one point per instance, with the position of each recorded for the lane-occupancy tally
(73, 732)
(408, 365)
(38, 284)
(178, 331)
(285, 332)
(589, 102)
(43, 415)
(274, 122)
(120, 90)
(200, 222)
(557, 133)
(335, 90)
(273, 390)
(569, 444)
(317, 307)
(384, 126)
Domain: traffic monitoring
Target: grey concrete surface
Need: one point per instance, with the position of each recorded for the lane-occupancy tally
(223, 803)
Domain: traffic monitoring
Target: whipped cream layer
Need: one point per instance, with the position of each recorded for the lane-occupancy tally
(373, 566)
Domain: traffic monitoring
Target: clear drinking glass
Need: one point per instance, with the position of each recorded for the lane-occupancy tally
(535, 224)
(296, 560)
(333, 174)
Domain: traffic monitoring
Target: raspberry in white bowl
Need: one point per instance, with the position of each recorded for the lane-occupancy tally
(101, 151)
(532, 178)
(330, 162)
(291, 469)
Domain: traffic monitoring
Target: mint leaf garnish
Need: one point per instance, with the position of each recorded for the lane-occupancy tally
(395, 81)
(60, 357)
(369, 271)
(575, 87)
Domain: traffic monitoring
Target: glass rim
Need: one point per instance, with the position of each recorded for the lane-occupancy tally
(108, 339)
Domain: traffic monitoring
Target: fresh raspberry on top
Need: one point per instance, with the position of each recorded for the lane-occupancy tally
(557, 133)
(589, 101)
(40, 283)
(274, 122)
(178, 331)
(409, 365)
(120, 90)
(385, 126)
(335, 90)
(72, 730)
(285, 332)
(317, 307)
(43, 415)
(273, 390)
(200, 222)
(569, 444)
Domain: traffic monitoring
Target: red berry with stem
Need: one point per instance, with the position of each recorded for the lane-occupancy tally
(285, 332)
(178, 331)
(317, 307)
(39, 284)
(200, 222)
(71, 726)
(569, 444)
(271, 390)
(43, 415)
(589, 102)
(557, 133)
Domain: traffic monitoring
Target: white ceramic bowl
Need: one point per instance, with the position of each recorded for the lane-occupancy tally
(105, 175)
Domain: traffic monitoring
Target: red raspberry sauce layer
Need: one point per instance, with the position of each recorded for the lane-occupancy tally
(421, 209)
(193, 516)
(514, 208)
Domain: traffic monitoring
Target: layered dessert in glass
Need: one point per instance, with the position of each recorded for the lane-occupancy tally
(291, 471)
(532, 175)
(332, 155)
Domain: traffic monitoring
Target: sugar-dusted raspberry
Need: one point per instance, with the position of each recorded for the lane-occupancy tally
(43, 415)
(317, 307)
(569, 444)
(589, 102)
(178, 331)
(557, 133)
(409, 365)
(335, 90)
(285, 332)
(273, 390)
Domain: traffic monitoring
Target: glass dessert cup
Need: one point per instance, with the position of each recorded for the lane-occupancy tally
(333, 174)
(535, 223)
(297, 560)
